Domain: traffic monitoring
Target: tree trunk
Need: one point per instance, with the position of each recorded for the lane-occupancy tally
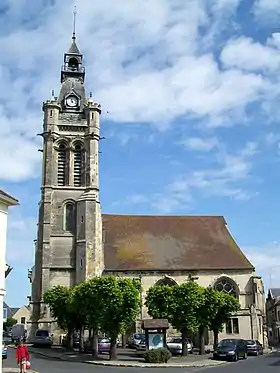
(201, 340)
(81, 341)
(124, 340)
(184, 342)
(69, 343)
(113, 348)
(216, 337)
(94, 346)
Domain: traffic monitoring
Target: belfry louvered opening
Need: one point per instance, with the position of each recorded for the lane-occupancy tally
(78, 164)
(61, 165)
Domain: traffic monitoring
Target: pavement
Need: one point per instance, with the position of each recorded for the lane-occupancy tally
(267, 363)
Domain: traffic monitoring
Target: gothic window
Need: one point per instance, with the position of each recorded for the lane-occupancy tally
(226, 285)
(165, 281)
(69, 217)
(61, 165)
(78, 164)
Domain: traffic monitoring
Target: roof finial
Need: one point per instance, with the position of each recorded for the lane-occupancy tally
(74, 22)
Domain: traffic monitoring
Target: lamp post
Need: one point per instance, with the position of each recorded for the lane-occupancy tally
(5, 202)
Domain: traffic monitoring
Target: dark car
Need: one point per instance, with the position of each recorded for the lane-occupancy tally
(231, 349)
(254, 347)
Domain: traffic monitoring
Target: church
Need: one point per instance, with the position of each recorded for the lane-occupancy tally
(76, 241)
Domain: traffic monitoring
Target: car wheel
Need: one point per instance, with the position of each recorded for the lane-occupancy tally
(257, 353)
(245, 356)
(235, 357)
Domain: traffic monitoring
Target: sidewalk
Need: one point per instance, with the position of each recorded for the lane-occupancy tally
(126, 360)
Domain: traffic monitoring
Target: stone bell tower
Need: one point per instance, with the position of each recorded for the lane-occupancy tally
(69, 240)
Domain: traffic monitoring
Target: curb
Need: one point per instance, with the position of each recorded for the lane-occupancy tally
(131, 365)
(147, 365)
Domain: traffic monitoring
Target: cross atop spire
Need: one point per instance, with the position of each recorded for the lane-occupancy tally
(74, 22)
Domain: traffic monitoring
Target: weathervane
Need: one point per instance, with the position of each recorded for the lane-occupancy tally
(74, 22)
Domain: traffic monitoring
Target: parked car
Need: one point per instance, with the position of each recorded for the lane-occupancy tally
(231, 349)
(174, 345)
(135, 339)
(4, 350)
(42, 338)
(103, 345)
(141, 347)
(254, 347)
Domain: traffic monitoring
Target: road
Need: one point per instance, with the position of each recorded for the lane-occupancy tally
(268, 363)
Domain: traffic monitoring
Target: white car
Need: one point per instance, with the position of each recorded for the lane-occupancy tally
(174, 345)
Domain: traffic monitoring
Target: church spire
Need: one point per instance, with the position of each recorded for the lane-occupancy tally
(74, 48)
(74, 22)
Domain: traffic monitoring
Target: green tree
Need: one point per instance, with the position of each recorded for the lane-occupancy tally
(59, 299)
(186, 301)
(207, 313)
(9, 323)
(158, 301)
(119, 300)
(86, 300)
(226, 306)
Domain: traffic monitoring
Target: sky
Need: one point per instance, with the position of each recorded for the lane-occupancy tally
(190, 92)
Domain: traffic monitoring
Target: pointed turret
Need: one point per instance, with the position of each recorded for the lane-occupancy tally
(74, 48)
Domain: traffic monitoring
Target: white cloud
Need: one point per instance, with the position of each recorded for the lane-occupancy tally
(224, 179)
(261, 257)
(245, 53)
(200, 144)
(267, 11)
(146, 62)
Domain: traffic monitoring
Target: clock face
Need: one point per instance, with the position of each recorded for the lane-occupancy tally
(72, 101)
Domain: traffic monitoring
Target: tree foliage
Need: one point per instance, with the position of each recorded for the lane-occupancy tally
(207, 313)
(191, 308)
(227, 304)
(9, 323)
(58, 299)
(119, 300)
(186, 302)
(158, 301)
(107, 304)
(180, 304)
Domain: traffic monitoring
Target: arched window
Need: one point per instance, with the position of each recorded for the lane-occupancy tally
(165, 281)
(69, 217)
(73, 64)
(78, 164)
(61, 165)
(226, 285)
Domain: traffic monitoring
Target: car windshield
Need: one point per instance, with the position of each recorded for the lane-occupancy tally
(104, 340)
(139, 336)
(42, 333)
(176, 340)
(250, 342)
(227, 343)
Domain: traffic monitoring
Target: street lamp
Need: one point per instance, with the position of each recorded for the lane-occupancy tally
(5, 202)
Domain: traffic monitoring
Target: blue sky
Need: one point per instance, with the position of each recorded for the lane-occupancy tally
(190, 92)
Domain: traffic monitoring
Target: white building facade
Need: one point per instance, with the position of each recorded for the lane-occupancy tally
(5, 202)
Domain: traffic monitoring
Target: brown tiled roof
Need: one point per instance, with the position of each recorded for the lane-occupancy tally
(134, 242)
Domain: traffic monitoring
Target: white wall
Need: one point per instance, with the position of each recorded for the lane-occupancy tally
(3, 241)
